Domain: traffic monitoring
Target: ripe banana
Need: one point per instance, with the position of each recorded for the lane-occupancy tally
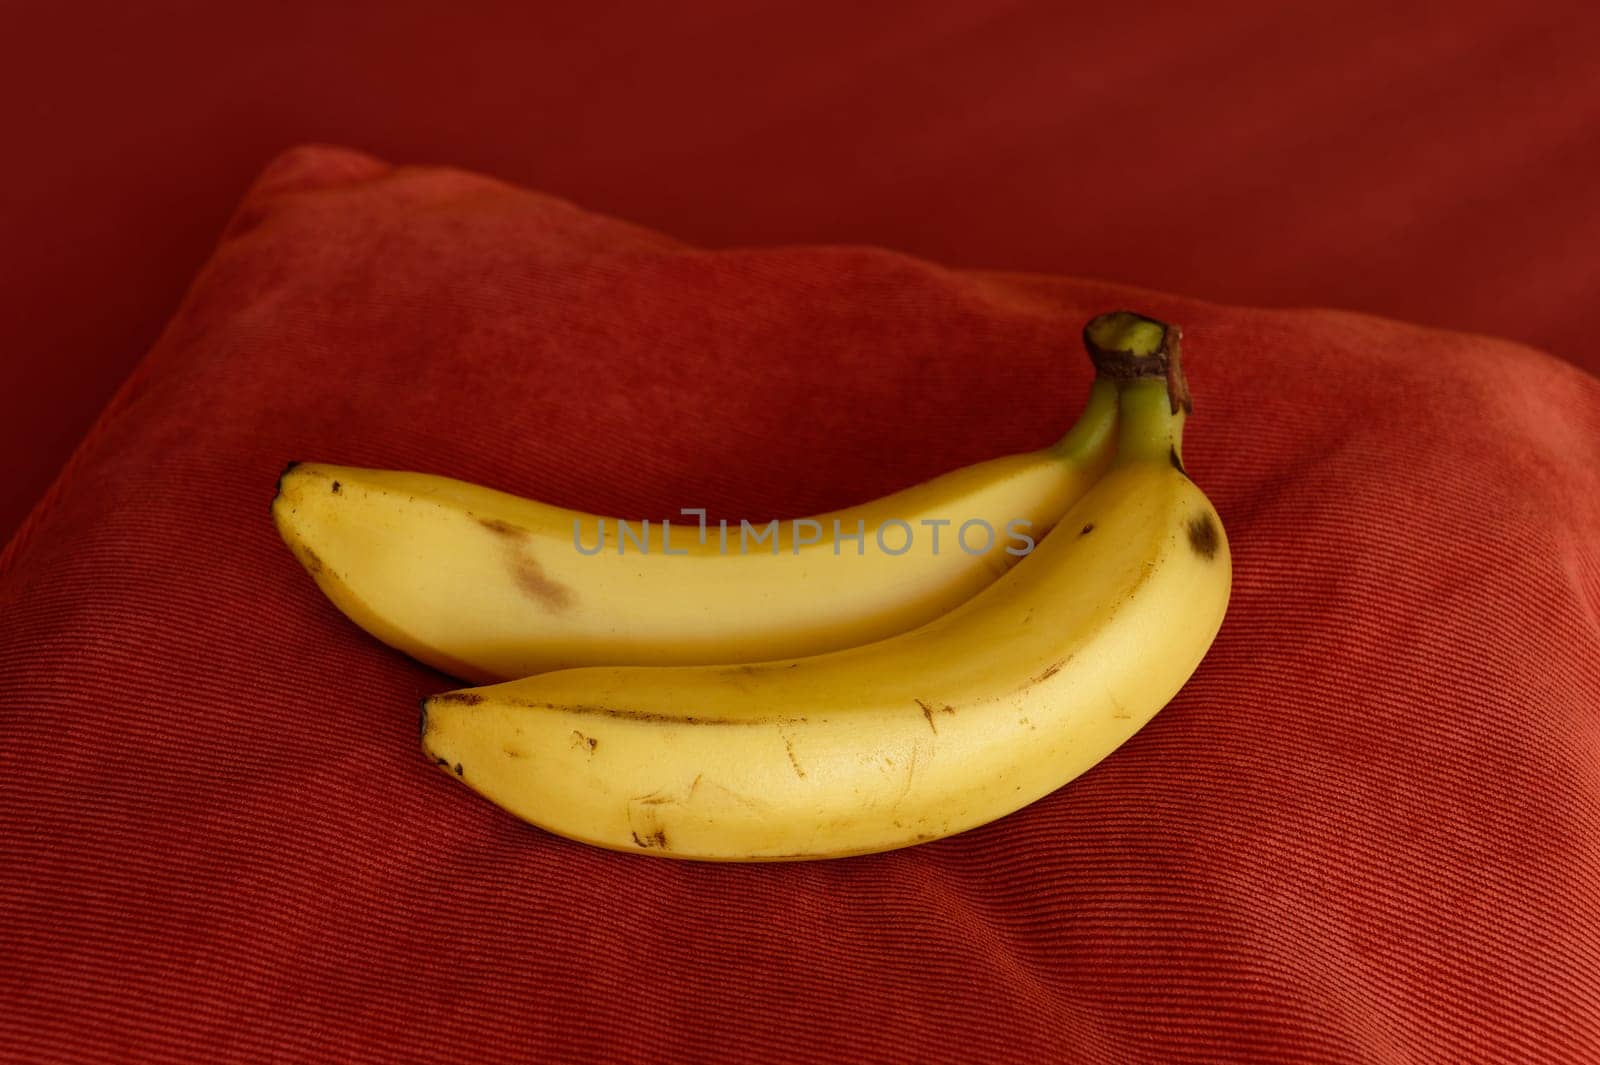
(975, 714)
(487, 586)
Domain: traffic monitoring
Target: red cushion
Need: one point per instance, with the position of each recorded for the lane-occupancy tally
(1367, 830)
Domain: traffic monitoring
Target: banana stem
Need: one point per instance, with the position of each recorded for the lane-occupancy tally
(1097, 423)
(1143, 356)
(1148, 429)
(1130, 347)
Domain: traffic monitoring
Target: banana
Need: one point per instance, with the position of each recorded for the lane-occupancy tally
(487, 586)
(971, 716)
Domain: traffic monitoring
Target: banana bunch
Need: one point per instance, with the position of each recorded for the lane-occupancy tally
(847, 689)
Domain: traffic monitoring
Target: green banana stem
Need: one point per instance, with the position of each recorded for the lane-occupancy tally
(1098, 422)
(1148, 429)
(1127, 347)
(1143, 356)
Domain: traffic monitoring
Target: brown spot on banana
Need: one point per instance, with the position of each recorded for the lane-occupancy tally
(530, 576)
(472, 698)
(788, 745)
(309, 559)
(1204, 538)
(587, 744)
(928, 711)
(655, 798)
(1049, 672)
(465, 698)
(651, 717)
(644, 820)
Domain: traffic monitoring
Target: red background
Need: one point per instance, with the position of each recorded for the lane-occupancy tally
(1359, 155)
(1367, 829)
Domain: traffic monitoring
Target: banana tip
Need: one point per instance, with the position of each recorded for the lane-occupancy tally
(287, 470)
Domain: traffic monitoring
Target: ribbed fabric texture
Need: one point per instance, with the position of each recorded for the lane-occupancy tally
(1368, 830)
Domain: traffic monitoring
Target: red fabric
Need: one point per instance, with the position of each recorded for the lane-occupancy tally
(1428, 163)
(1367, 830)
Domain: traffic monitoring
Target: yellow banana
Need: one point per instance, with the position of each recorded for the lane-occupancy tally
(488, 586)
(961, 721)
